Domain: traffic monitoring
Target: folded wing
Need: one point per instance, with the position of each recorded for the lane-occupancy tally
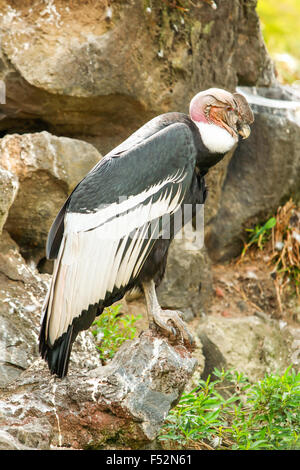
(107, 237)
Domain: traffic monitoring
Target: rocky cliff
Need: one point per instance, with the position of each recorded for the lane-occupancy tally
(79, 78)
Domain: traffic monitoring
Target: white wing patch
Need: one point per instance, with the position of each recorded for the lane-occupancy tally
(103, 250)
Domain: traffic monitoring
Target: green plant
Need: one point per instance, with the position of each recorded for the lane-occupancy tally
(111, 329)
(260, 235)
(201, 415)
(280, 27)
(279, 238)
(264, 415)
(285, 255)
(272, 413)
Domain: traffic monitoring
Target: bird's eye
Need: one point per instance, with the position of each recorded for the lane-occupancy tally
(229, 108)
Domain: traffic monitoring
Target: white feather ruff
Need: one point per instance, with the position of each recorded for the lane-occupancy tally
(215, 138)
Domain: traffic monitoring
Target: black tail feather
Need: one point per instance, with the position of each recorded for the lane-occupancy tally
(58, 355)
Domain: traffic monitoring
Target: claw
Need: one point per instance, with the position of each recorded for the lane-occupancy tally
(174, 332)
(169, 322)
(163, 318)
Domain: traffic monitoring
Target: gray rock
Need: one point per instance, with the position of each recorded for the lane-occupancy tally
(22, 294)
(248, 344)
(79, 57)
(122, 404)
(8, 442)
(213, 358)
(8, 190)
(38, 171)
(263, 172)
(187, 284)
(72, 71)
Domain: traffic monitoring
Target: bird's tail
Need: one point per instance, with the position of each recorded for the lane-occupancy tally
(58, 355)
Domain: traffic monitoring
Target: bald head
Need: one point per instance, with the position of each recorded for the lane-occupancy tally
(224, 109)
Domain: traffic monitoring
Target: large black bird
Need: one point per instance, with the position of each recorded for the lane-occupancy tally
(109, 236)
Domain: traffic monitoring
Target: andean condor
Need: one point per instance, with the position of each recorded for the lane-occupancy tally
(109, 236)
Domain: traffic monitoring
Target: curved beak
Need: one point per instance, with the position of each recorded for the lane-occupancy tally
(244, 130)
(245, 115)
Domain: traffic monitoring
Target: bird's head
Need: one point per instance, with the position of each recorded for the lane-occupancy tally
(221, 117)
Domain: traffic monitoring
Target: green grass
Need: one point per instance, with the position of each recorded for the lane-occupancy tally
(281, 31)
(231, 413)
(226, 413)
(260, 234)
(111, 329)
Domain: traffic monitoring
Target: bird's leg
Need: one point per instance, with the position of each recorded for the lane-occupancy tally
(169, 321)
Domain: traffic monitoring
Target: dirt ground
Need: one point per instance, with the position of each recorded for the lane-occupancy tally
(243, 289)
(249, 288)
(260, 281)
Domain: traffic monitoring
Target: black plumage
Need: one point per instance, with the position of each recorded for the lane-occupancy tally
(161, 167)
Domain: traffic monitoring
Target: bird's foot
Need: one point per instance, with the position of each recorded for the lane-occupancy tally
(171, 324)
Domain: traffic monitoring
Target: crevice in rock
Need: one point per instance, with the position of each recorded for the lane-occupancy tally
(45, 266)
(103, 121)
(213, 357)
(24, 126)
(11, 364)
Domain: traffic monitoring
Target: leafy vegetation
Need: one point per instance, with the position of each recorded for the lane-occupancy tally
(285, 245)
(260, 235)
(280, 27)
(226, 413)
(111, 329)
(231, 413)
(279, 239)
